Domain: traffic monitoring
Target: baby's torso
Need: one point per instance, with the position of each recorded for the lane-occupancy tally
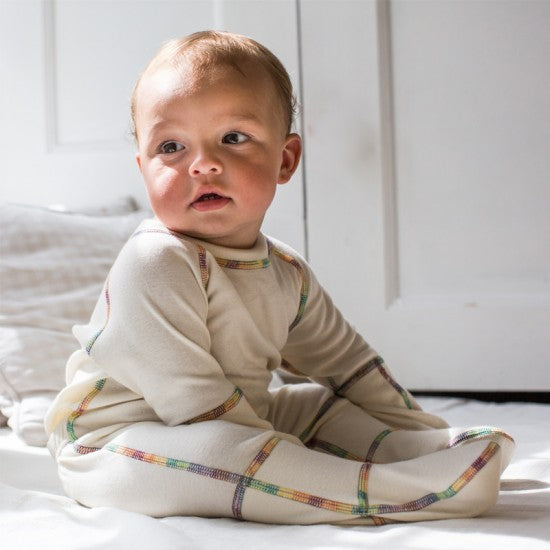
(250, 307)
(251, 310)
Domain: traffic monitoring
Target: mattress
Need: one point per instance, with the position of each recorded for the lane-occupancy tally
(34, 513)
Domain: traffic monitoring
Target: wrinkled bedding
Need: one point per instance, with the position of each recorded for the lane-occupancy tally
(34, 513)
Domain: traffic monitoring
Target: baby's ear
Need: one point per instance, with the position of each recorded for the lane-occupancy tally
(138, 160)
(292, 152)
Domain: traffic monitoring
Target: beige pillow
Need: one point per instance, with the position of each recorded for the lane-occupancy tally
(52, 268)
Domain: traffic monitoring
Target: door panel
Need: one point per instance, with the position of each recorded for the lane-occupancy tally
(427, 132)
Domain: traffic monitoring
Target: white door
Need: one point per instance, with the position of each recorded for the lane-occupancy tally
(67, 70)
(427, 129)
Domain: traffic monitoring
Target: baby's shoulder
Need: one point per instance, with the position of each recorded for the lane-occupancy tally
(289, 265)
(283, 254)
(154, 249)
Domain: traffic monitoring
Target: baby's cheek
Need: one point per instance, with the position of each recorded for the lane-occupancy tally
(166, 195)
(164, 185)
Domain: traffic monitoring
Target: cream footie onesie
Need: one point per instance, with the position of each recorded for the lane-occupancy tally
(168, 410)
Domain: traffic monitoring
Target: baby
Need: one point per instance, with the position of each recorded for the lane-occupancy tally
(168, 408)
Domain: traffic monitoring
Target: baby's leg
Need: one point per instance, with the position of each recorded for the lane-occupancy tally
(216, 468)
(350, 431)
(336, 426)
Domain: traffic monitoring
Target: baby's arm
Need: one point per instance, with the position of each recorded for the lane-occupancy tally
(326, 348)
(149, 334)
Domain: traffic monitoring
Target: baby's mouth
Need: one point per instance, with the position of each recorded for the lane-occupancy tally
(210, 201)
(209, 197)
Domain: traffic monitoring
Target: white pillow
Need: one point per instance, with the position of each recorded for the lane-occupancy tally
(52, 269)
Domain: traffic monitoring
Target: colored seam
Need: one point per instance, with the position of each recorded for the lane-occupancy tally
(222, 262)
(306, 498)
(84, 404)
(381, 521)
(93, 339)
(304, 290)
(324, 408)
(376, 363)
(83, 450)
(451, 491)
(376, 443)
(200, 249)
(342, 453)
(362, 492)
(332, 449)
(477, 433)
(242, 264)
(260, 458)
(203, 265)
(405, 395)
(220, 409)
(333, 385)
(363, 371)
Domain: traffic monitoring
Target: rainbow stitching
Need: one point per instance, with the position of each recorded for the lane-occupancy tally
(362, 493)
(309, 499)
(376, 443)
(304, 290)
(324, 408)
(200, 249)
(203, 265)
(376, 363)
(220, 409)
(84, 404)
(363, 371)
(477, 433)
(242, 264)
(332, 449)
(93, 339)
(259, 459)
(405, 395)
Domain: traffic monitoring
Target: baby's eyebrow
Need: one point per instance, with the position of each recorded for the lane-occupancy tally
(162, 123)
(235, 118)
(226, 119)
(245, 116)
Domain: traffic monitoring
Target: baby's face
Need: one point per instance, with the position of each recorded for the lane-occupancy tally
(212, 151)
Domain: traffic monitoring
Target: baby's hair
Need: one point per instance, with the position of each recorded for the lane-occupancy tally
(207, 49)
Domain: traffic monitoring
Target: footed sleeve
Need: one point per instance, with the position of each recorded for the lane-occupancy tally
(326, 348)
(149, 333)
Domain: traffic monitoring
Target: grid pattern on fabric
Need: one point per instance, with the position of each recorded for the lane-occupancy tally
(360, 508)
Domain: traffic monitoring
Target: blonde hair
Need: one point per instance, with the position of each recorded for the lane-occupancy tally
(207, 49)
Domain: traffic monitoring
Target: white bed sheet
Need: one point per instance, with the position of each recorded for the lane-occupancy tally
(35, 514)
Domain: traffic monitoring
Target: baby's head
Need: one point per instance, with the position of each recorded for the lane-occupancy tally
(207, 50)
(212, 115)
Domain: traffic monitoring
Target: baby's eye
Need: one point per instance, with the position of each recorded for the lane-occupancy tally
(234, 138)
(169, 147)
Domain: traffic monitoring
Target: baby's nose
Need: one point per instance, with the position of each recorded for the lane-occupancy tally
(204, 163)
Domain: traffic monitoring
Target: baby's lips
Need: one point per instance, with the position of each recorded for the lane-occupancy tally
(210, 201)
(208, 194)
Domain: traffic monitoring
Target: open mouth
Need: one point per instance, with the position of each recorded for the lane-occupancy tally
(210, 201)
(209, 197)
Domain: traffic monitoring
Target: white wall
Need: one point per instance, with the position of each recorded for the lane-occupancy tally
(427, 160)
